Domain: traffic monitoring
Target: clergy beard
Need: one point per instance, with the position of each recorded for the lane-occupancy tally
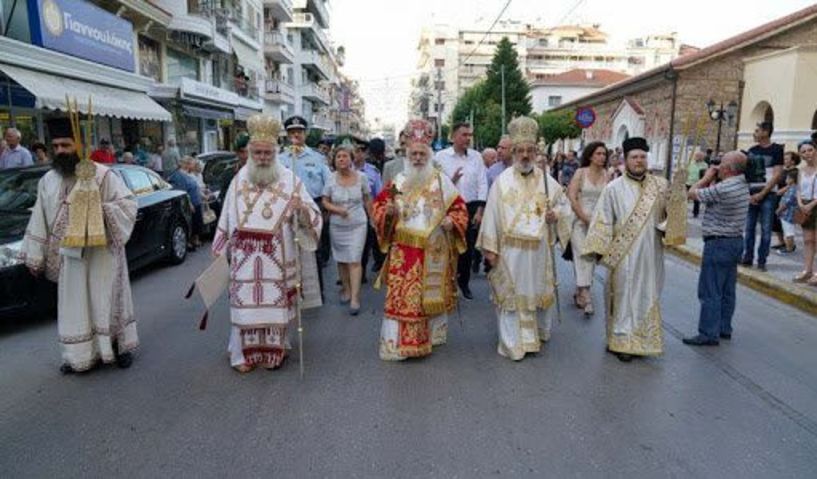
(262, 175)
(523, 167)
(65, 164)
(416, 176)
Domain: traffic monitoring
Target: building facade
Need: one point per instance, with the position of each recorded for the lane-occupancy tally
(765, 74)
(192, 70)
(453, 59)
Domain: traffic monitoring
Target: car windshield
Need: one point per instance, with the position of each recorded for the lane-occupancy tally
(215, 167)
(18, 189)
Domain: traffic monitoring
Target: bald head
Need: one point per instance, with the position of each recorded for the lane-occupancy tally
(732, 164)
(489, 157)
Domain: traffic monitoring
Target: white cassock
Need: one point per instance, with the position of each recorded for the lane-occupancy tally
(257, 231)
(95, 317)
(626, 233)
(522, 283)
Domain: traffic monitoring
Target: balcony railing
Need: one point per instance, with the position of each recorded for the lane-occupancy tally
(307, 20)
(313, 91)
(276, 39)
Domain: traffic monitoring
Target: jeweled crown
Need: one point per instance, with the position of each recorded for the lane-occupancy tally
(263, 128)
(523, 130)
(419, 131)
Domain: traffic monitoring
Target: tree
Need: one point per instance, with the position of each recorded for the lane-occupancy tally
(558, 125)
(482, 103)
(517, 90)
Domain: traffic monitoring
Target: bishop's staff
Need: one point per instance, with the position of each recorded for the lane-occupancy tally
(551, 231)
(298, 283)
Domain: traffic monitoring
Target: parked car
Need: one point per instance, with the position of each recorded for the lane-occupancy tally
(163, 222)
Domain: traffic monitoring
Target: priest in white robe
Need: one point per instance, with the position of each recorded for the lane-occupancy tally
(625, 235)
(265, 209)
(516, 238)
(76, 237)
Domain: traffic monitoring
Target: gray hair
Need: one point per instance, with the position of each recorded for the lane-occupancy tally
(736, 161)
(14, 131)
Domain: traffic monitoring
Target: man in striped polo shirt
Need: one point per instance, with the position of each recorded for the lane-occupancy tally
(727, 204)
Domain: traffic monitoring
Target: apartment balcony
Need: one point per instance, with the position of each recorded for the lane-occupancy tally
(278, 48)
(318, 8)
(321, 122)
(315, 93)
(307, 21)
(281, 9)
(316, 63)
(280, 92)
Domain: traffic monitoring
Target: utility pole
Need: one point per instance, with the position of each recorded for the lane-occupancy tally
(502, 70)
(439, 84)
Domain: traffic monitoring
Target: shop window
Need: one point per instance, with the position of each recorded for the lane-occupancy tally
(150, 59)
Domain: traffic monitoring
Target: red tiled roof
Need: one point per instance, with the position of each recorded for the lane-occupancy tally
(583, 76)
(717, 49)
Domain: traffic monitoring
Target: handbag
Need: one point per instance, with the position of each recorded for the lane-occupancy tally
(208, 215)
(800, 217)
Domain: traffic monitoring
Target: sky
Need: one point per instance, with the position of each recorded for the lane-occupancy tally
(380, 36)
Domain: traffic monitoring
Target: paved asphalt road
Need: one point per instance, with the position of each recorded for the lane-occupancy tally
(745, 409)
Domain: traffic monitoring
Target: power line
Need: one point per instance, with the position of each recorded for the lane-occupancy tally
(461, 62)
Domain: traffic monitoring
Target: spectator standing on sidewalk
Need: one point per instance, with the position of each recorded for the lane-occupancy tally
(694, 174)
(788, 205)
(763, 169)
(807, 202)
(727, 205)
(790, 162)
(104, 154)
(14, 155)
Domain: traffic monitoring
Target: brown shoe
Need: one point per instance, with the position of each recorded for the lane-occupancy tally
(803, 277)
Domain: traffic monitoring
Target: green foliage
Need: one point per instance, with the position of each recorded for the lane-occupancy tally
(484, 99)
(314, 137)
(517, 90)
(558, 125)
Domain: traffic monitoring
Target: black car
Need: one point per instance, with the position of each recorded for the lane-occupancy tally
(162, 226)
(216, 164)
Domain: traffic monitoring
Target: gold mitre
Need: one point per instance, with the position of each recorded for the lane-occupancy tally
(523, 129)
(263, 128)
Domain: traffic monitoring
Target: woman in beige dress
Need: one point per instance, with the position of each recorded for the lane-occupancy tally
(583, 192)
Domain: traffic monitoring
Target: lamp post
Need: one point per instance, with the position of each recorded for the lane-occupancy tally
(719, 113)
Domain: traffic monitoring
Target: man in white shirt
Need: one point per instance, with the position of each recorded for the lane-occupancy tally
(467, 171)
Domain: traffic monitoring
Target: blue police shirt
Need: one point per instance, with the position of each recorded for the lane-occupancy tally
(375, 181)
(310, 167)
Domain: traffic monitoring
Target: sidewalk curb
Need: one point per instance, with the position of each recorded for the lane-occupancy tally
(789, 293)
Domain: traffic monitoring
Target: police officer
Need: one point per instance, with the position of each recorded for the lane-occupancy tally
(310, 167)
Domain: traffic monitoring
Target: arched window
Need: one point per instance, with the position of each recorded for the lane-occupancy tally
(763, 111)
(814, 121)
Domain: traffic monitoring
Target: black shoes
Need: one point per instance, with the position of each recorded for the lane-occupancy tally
(124, 360)
(761, 267)
(67, 369)
(726, 336)
(466, 293)
(700, 340)
(624, 358)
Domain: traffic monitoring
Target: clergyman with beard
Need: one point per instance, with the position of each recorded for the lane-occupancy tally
(625, 235)
(420, 219)
(266, 207)
(95, 318)
(515, 239)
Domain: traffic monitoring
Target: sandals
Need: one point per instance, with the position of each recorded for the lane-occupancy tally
(804, 277)
(579, 301)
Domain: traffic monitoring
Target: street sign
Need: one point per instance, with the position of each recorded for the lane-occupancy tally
(585, 117)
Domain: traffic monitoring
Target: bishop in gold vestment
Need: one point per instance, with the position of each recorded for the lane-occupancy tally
(516, 238)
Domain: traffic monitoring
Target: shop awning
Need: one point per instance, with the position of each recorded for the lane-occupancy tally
(50, 92)
(248, 58)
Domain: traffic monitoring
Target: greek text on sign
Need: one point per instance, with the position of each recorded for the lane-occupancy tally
(81, 29)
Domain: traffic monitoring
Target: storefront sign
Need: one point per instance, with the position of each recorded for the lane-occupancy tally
(81, 29)
(197, 89)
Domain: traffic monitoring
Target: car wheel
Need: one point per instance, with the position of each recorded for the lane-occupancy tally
(177, 244)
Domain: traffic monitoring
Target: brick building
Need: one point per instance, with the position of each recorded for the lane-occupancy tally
(767, 73)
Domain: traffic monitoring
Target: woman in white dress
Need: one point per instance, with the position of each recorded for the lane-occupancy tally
(346, 198)
(583, 192)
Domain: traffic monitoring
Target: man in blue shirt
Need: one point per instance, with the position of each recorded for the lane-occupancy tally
(310, 167)
(375, 185)
(182, 181)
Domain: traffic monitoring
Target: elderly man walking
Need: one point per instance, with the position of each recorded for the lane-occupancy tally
(727, 204)
(14, 155)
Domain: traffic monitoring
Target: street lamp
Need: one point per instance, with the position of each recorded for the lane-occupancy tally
(719, 113)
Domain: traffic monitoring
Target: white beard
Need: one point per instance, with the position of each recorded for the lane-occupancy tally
(262, 176)
(522, 167)
(416, 176)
